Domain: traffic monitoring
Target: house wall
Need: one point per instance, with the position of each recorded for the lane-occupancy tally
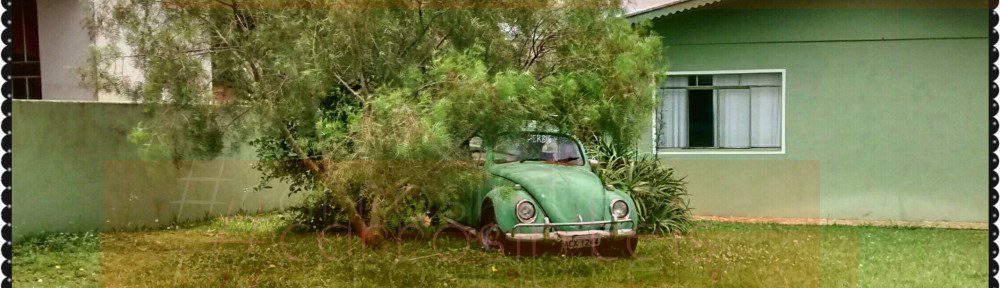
(63, 46)
(77, 171)
(886, 110)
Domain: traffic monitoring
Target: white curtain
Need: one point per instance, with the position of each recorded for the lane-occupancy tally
(734, 118)
(765, 109)
(674, 119)
(766, 117)
(733, 114)
(673, 114)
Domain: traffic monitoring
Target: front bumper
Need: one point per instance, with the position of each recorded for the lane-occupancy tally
(607, 229)
(603, 238)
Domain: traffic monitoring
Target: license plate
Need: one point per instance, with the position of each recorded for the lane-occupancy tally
(582, 242)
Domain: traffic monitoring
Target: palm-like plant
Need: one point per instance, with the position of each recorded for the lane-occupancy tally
(660, 195)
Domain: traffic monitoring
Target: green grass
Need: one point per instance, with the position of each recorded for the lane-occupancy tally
(220, 253)
(57, 260)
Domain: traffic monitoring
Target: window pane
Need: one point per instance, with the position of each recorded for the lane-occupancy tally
(20, 69)
(34, 88)
(734, 118)
(704, 80)
(24, 66)
(701, 118)
(24, 31)
(766, 113)
(19, 88)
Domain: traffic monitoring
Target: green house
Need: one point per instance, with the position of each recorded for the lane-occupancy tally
(862, 110)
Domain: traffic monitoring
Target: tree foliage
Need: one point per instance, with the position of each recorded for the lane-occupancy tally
(371, 101)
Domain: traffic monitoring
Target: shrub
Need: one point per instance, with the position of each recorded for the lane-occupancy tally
(660, 194)
(316, 212)
(429, 187)
(86, 241)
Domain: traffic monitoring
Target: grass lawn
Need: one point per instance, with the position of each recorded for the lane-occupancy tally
(252, 251)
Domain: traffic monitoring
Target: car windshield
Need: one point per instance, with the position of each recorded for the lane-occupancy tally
(552, 149)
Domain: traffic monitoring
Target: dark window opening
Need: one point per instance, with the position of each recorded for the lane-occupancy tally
(26, 74)
(704, 80)
(700, 80)
(701, 118)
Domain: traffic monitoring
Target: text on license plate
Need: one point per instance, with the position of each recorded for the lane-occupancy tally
(582, 242)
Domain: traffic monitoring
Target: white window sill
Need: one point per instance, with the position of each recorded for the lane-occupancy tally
(718, 151)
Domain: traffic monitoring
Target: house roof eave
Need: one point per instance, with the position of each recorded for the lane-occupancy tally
(667, 9)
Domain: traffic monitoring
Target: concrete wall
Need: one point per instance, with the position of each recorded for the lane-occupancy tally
(77, 171)
(886, 110)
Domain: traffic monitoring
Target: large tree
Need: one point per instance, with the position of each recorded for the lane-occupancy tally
(358, 99)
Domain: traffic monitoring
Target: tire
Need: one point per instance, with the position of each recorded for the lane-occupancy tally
(489, 233)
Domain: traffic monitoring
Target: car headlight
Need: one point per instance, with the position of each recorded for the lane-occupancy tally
(619, 209)
(525, 211)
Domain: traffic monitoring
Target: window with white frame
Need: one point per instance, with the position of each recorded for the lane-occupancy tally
(723, 111)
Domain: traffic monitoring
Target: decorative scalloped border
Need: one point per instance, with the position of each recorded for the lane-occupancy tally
(6, 143)
(994, 143)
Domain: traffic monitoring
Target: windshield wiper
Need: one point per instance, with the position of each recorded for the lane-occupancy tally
(530, 159)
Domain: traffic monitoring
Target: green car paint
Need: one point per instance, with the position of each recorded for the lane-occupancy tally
(560, 193)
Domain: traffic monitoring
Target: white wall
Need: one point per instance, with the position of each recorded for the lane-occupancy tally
(121, 67)
(63, 46)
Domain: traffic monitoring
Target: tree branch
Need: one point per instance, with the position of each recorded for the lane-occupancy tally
(346, 203)
(342, 82)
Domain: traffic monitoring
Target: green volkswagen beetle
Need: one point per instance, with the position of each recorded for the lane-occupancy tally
(542, 196)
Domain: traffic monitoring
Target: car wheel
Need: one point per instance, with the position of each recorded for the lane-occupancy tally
(490, 234)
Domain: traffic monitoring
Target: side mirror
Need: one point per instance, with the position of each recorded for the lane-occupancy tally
(476, 144)
(595, 163)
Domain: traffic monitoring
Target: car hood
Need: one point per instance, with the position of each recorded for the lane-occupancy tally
(565, 193)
